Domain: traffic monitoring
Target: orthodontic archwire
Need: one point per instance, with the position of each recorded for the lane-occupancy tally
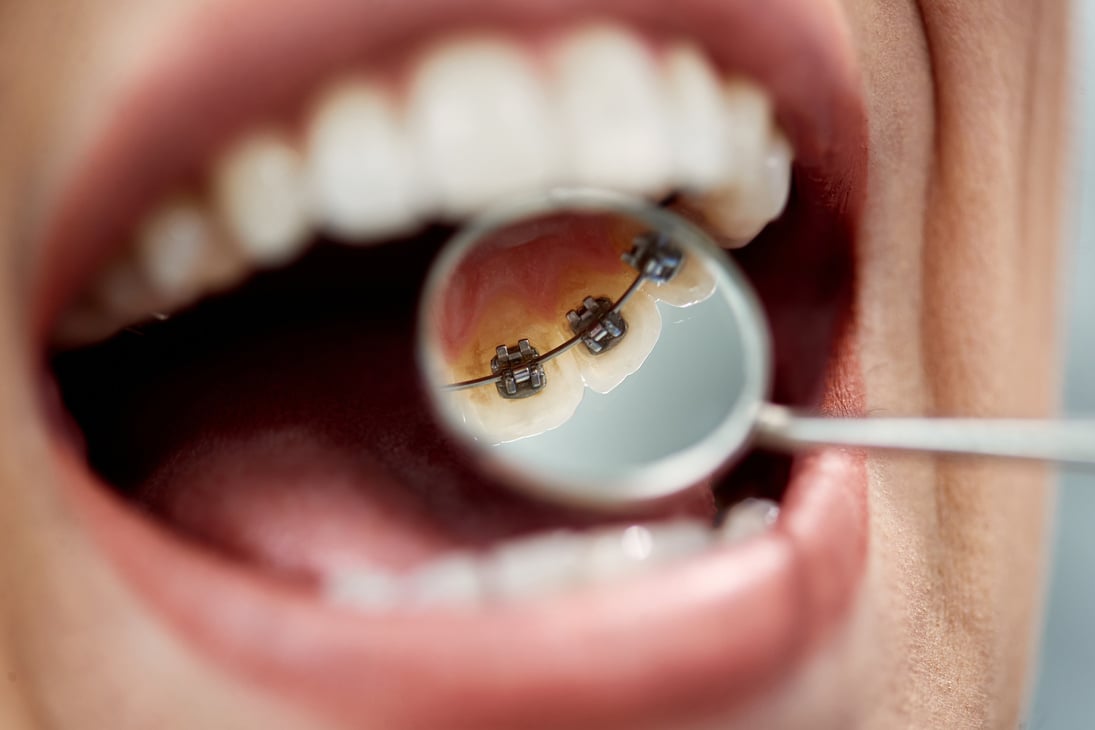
(598, 323)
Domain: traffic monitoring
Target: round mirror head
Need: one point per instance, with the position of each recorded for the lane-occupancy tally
(593, 349)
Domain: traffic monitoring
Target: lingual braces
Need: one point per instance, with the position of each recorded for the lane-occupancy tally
(517, 371)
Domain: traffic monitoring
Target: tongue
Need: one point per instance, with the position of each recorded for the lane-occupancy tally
(283, 425)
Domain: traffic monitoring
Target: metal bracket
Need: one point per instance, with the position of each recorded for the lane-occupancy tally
(520, 374)
(655, 257)
(598, 323)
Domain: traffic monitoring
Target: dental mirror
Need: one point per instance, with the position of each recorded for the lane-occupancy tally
(601, 351)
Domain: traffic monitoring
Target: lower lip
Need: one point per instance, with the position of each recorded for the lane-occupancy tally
(706, 635)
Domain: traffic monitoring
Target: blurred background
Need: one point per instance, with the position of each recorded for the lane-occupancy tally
(1065, 695)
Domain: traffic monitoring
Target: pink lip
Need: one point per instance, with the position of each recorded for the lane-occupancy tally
(700, 637)
(709, 633)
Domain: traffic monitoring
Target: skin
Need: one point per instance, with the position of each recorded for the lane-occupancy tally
(966, 109)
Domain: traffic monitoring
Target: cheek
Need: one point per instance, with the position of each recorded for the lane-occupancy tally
(955, 311)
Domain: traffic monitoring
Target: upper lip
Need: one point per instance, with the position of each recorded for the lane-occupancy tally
(726, 623)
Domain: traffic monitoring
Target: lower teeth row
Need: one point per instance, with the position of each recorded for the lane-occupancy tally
(546, 564)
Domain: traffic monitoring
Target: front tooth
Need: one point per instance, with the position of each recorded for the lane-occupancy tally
(615, 554)
(603, 372)
(498, 420)
(454, 580)
(181, 254)
(694, 283)
(610, 102)
(261, 195)
(698, 118)
(364, 589)
(123, 292)
(82, 325)
(482, 123)
(742, 212)
(363, 183)
(537, 566)
(748, 519)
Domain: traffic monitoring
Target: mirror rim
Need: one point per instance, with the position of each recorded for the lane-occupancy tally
(645, 483)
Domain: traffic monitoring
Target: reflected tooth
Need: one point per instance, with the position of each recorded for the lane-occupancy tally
(767, 196)
(361, 174)
(363, 589)
(694, 283)
(498, 420)
(615, 554)
(453, 580)
(482, 123)
(679, 539)
(602, 373)
(261, 196)
(537, 566)
(697, 115)
(181, 255)
(611, 107)
(748, 519)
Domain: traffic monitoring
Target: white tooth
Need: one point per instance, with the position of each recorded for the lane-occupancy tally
(679, 539)
(636, 543)
(767, 196)
(761, 162)
(498, 420)
(364, 589)
(741, 213)
(611, 106)
(698, 119)
(536, 566)
(747, 519)
(615, 554)
(482, 123)
(749, 120)
(361, 173)
(181, 254)
(603, 372)
(453, 580)
(83, 325)
(694, 283)
(123, 293)
(262, 198)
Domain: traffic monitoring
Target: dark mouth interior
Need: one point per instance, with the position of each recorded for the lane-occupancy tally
(246, 420)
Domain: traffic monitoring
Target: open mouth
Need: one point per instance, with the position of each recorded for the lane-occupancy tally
(226, 318)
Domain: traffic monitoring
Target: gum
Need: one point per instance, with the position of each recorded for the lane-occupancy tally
(521, 282)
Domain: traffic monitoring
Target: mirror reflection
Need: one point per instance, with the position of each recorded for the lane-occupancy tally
(583, 346)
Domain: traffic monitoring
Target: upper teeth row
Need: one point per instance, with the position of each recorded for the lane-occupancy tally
(480, 118)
